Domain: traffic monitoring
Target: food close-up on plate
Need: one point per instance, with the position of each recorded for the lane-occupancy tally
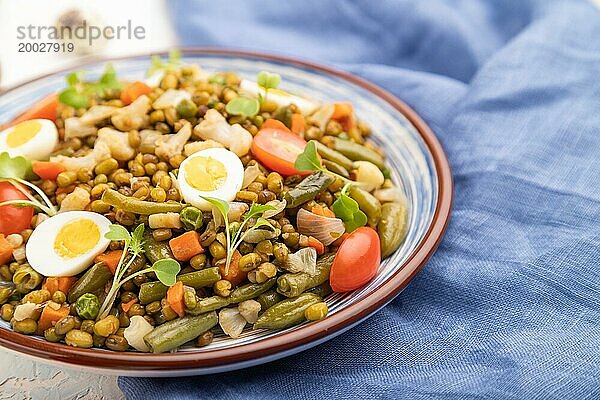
(207, 210)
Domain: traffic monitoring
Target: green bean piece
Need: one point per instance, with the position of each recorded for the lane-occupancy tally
(155, 250)
(177, 332)
(134, 205)
(191, 218)
(355, 151)
(153, 291)
(336, 168)
(26, 278)
(292, 285)
(92, 281)
(324, 289)
(137, 264)
(392, 227)
(308, 189)
(287, 313)
(239, 294)
(284, 114)
(332, 155)
(269, 299)
(368, 204)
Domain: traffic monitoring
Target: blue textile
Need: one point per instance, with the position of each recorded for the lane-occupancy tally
(509, 306)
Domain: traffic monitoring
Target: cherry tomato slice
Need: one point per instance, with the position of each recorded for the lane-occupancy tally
(277, 149)
(13, 219)
(356, 261)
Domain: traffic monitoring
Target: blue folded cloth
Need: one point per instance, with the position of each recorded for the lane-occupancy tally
(509, 306)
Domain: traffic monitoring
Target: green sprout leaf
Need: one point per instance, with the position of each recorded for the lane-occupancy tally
(267, 80)
(166, 271)
(243, 106)
(15, 167)
(109, 80)
(308, 160)
(72, 97)
(136, 245)
(118, 232)
(79, 93)
(219, 204)
(158, 64)
(258, 209)
(346, 209)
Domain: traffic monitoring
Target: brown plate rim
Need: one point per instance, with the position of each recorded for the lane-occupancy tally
(286, 341)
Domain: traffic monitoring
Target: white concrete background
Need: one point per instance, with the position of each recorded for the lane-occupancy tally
(21, 377)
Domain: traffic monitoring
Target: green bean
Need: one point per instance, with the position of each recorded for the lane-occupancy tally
(308, 189)
(392, 227)
(269, 299)
(137, 264)
(191, 218)
(239, 294)
(334, 156)
(336, 168)
(368, 204)
(324, 289)
(291, 285)
(93, 280)
(155, 250)
(286, 313)
(355, 151)
(173, 334)
(153, 291)
(134, 205)
(26, 278)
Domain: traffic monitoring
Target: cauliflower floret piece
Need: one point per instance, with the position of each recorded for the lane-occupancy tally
(77, 200)
(171, 98)
(117, 142)
(231, 322)
(215, 127)
(249, 309)
(168, 146)
(100, 153)
(200, 145)
(86, 124)
(134, 116)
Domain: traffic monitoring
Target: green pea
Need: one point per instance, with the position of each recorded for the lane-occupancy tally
(191, 218)
(186, 109)
(88, 306)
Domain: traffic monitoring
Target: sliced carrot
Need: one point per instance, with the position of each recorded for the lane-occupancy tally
(175, 298)
(134, 90)
(298, 124)
(110, 259)
(186, 246)
(50, 316)
(274, 124)
(47, 170)
(5, 250)
(322, 211)
(62, 283)
(46, 108)
(344, 114)
(233, 275)
(127, 306)
(316, 244)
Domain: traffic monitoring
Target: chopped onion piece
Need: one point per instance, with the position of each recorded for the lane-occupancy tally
(25, 311)
(325, 229)
(171, 98)
(250, 174)
(232, 322)
(304, 260)
(390, 194)
(279, 207)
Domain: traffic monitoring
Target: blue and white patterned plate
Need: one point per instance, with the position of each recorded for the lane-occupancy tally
(418, 165)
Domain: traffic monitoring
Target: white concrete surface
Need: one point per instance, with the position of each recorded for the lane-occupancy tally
(22, 378)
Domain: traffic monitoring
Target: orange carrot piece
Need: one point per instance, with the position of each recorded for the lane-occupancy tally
(344, 114)
(5, 250)
(298, 124)
(50, 316)
(316, 244)
(274, 124)
(46, 108)
(134, 90)
(175, 298)
(322, 211)
(62, 283)
(47, 170)
(186, 246)
(110, 259)
(127, 306)
(234, 275)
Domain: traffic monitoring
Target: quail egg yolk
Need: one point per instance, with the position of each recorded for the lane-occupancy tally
(76, 238)
(23, 133)
(205, 173)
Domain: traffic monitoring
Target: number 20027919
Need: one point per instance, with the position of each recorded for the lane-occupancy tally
(45, 47)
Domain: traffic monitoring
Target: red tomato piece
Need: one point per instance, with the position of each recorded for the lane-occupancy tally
(356, 261)
(13, 219)
(277, 149)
